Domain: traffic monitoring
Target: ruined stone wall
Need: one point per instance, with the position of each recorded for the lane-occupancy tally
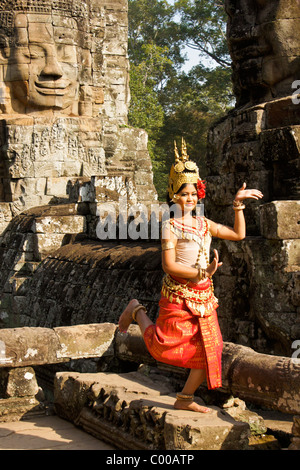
(53, 274)
(92, 282)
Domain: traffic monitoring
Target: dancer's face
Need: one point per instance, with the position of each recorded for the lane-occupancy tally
(187, 198)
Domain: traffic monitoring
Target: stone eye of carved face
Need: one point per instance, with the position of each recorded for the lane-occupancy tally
(67, 53)
(31, 53)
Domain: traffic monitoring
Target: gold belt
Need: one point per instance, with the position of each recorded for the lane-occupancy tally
(203, 301)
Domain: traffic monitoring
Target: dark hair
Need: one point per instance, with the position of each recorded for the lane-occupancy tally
(172, 203)
(169, 200)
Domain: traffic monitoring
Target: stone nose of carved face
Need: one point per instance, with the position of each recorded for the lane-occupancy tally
(52, 68)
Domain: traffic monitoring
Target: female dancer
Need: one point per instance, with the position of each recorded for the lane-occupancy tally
(186, 332)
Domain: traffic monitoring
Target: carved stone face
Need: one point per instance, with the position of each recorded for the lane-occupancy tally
(264, 43)
(43, 70)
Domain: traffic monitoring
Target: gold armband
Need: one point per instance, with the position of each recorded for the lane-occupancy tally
(167, 246)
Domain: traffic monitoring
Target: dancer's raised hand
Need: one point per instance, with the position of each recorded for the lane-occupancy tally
(244, 193)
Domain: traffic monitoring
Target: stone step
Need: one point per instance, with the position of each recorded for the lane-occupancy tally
(133, 412)
(47, 433)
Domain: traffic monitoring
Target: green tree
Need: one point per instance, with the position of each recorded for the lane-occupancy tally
(203, 28)
(146, 111)
(153, 22)
(197, 103)
(166, 101)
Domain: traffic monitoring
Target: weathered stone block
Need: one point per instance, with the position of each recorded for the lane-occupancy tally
(58, 186)
(131, 347)
(47, 243)
(280, 220)
(295, 444)
(5, 215)
(84, 341)
(15, 408)
(296, 426)
(21, 382)
(292, 250)
(60, 224)
(217, 431)
(112, 188)
(28, 346)
(36, 346)
(256, 422)
(272, 381)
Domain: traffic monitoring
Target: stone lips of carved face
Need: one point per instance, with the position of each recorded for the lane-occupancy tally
(45, 70)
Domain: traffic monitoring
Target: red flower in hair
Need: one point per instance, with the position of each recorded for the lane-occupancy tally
(201, 186)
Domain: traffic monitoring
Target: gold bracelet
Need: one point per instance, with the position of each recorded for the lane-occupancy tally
(202, 273)
(167, 246)
(238, 205)
(135, 311)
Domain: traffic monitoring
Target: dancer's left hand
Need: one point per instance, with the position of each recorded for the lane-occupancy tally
(244, 193)
(214, 265)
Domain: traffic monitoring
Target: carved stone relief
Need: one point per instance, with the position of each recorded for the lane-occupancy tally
(64, 99)
(264, 44)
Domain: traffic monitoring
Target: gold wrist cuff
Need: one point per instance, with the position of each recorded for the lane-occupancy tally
(238, 205)
(202, 273)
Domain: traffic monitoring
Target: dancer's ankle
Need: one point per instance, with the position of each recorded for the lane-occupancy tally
(184, 397)
(137, 309)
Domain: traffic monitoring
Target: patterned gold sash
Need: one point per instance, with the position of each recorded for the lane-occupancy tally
(200, 299)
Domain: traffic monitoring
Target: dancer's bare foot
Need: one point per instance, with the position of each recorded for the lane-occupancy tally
(190, 406)
(126, 317)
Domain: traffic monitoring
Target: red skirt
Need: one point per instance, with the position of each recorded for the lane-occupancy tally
(181, 337)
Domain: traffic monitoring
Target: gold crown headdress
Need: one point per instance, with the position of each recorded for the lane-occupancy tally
(183, 171)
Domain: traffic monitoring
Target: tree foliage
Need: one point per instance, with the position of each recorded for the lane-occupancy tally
(167, 101)
(203, 28)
